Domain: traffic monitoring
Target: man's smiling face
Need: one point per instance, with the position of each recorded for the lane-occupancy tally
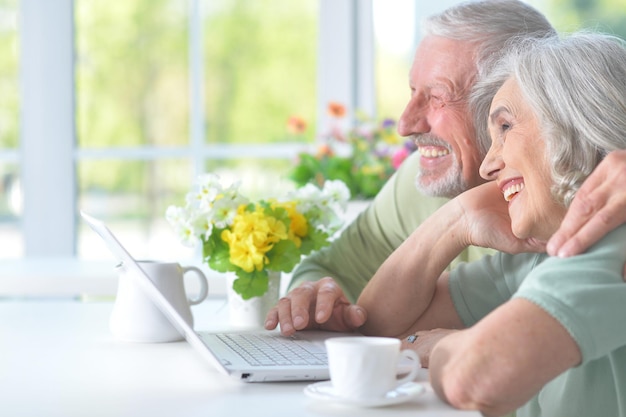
(437, 118)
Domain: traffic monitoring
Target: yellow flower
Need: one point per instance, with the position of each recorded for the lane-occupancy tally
(390, 137)
(251, 236)
(251, 239)
(298, 226)
(376, 169)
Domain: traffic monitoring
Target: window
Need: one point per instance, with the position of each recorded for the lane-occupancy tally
(125, 103)
(12, 240)
(201, 88)
(114, 107)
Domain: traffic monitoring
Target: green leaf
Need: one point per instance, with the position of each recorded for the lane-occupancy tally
(305, 171)
(251, 284)
(217, 253)
(314, 241)
(369, 185)
(284, 256)
(220, 262)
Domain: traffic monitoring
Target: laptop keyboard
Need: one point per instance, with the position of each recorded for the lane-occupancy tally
(269, 350)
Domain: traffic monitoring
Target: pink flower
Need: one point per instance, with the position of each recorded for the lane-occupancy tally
(399, 156)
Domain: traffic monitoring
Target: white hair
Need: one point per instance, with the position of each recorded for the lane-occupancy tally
(577, 88)
(487, 26)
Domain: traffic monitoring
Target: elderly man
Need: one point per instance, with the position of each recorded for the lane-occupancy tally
(459, 47)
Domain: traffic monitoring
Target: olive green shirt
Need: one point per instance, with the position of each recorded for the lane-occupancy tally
(354, 256)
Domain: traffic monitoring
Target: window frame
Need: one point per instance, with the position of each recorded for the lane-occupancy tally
(47, 128)
(48, 109)
(48, 155)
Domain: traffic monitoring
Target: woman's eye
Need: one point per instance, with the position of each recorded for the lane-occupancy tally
(504, 127)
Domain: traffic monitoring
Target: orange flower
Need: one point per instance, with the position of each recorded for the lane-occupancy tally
(296, 125)
(324, 150)
(336, 109)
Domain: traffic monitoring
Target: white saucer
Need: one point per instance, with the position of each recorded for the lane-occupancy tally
(324, 391)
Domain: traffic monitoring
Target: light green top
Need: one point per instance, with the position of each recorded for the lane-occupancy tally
(586, 294)
(354, 257)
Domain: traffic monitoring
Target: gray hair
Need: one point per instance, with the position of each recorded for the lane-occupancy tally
(577, 89)
(487, 25)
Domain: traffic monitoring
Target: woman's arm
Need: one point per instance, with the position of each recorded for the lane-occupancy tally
(407, 286)
(409, 291)
(503, 361)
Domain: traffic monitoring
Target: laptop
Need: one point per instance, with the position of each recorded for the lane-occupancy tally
(244, 355)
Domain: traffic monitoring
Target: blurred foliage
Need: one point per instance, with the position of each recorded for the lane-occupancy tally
(132, 77)
(261, 65)
(9, 106)
(9, 75)
(363, 157)
(603, 15)
(131, 73)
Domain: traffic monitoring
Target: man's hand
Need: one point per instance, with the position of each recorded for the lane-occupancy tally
(424, 342)
(315, 305)
(598, 208)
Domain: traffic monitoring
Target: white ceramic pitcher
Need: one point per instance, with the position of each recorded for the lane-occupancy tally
(135, 318)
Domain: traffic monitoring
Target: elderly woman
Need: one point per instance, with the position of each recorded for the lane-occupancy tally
(542, 335)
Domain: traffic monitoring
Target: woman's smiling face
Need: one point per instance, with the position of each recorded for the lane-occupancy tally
(517, 162)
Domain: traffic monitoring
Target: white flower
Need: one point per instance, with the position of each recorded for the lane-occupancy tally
(209, 182)
(175, 215)
(322, 207)
(179, 219)
(210, 206)
(338, 191)
(201, 224)
(308, 197)
(224, 211)
(207, 187)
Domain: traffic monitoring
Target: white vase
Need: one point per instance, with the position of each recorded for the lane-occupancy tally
(250, 314)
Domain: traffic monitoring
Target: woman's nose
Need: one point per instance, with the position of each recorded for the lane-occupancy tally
(492, 164)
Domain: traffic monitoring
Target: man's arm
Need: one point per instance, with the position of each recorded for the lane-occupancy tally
(598, 208)
(351, 260)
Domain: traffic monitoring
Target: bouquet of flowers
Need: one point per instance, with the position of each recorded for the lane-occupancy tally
(251, 238)
(363, 157)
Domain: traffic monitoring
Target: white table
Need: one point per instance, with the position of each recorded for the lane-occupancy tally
(58, 358)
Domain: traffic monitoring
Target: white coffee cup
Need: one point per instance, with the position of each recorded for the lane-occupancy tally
(367, 367)
(135, 318)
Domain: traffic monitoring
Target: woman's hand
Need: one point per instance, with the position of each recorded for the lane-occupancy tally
(487, 221)
(422, 342)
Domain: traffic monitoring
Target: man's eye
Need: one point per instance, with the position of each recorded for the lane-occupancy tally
(504, 127)
(437, 101)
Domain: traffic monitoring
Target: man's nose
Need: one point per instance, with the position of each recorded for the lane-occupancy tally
(414, 119)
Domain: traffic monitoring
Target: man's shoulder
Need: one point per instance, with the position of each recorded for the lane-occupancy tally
(401, 199)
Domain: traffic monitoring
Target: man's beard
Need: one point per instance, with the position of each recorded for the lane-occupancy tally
(447, 184)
